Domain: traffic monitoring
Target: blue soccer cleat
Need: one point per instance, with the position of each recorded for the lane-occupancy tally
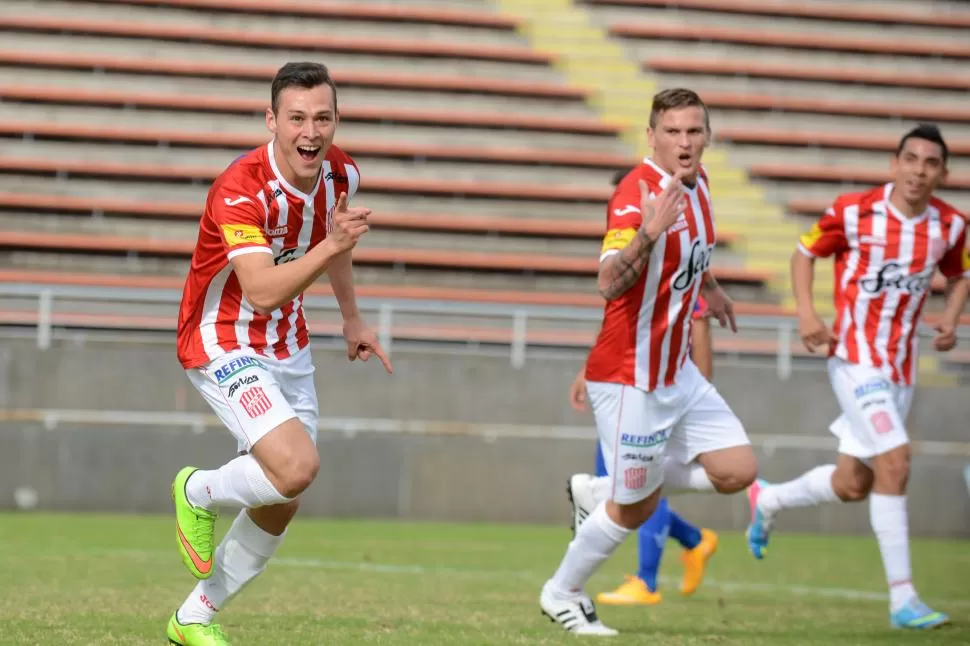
(917, 615)
(760, 528)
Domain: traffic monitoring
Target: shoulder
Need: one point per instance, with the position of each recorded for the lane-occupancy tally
(245, 176)
(948, 212)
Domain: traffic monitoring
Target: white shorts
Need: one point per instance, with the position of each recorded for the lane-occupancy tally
(637, 428)
(874, 410)
(253, 394)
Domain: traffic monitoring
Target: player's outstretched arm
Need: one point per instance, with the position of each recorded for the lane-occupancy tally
(620, 271)
(956, 293)
(268, 287)
(811, 327)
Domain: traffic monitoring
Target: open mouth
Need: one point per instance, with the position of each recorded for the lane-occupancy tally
(684, 158)
(308, 153)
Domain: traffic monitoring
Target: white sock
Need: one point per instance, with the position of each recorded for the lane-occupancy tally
(685, 477)
(240, 557)
(240, 483)
(812, 488)
(601, 488)
(891, 526)
(596, 539)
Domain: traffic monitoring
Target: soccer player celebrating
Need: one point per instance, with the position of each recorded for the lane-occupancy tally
(699, 544)
(887, 243)
(647, 397)
(275, 221)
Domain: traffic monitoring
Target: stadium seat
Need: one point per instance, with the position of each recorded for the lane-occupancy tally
(842, 13)
(34, 94)
(812, 73)
(372, 148)
(836, 174)
(548, 228)
(531, 263)
(394, 13)
(792, 40)
(255, 38)
(242, 71)
(822, 139)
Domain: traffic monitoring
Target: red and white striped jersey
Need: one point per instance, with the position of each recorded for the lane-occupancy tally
(884, 264)
(645, 332)
(251, 208)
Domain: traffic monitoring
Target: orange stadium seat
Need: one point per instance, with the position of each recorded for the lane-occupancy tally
(350, 77)
(373, 148)
(825, 106)
(407, 186)
(354, 113)
(346, 10)
(879, 143)
(881, 15)
(250, 38)
(824, 173)
(433, 258)
(813, 72)
(792, 40)
(547, 228)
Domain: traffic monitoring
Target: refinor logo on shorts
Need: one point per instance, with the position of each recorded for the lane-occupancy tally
(645, 440)
(871, 387)
(228, 370)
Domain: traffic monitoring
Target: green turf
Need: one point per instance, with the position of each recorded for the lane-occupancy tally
(86, 579)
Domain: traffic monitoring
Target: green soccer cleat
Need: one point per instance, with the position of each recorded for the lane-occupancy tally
(195, 634)
(195, 529)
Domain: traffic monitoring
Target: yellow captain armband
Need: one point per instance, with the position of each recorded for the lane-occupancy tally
(617, 239)
(810, 237)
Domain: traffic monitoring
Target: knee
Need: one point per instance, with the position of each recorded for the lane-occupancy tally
(298, 474)
(631, 516)
(738, 478)
(892, 471)
(851, 487)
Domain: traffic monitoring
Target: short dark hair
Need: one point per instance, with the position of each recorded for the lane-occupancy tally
(928, 132)
(677, 97)
(619, 175)
(301, 74)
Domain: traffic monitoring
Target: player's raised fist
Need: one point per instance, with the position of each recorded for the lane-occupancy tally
(660, 213)
(349, 224)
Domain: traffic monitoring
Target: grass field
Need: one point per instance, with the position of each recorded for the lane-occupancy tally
(86, 579)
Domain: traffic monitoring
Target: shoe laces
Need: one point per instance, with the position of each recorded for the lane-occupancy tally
(202, 536)
(215, 631)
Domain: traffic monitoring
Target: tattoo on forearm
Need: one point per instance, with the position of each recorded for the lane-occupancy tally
(627, 266)
(709, 283)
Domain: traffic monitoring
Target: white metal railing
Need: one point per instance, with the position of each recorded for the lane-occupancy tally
(53, 419)
(519, 315)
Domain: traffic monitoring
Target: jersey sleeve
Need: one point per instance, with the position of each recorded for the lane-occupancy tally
(956, 261)
(827, 235)
(240, 219)
(623, 217)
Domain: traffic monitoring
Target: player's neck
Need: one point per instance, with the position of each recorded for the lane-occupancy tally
(300, 184)
(910, 210)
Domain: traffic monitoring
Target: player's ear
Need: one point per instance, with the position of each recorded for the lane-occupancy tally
(270, 120)
(650, 137)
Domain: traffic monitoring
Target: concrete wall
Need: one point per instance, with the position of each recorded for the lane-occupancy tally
(432, 477)
(397, 476)
(429, 384)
